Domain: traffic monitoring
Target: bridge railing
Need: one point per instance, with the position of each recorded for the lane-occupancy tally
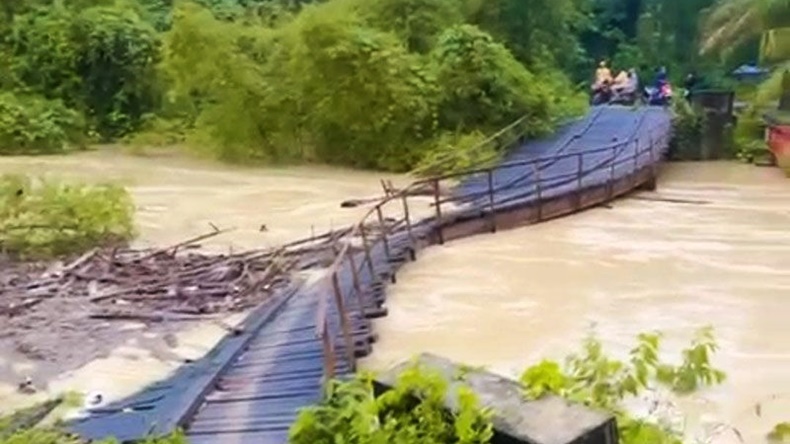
(394, 221)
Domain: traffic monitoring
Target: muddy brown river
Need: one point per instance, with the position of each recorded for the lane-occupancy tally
(711, 246)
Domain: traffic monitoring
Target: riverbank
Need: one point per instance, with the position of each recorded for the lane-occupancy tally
(177, 198)
(709, 247)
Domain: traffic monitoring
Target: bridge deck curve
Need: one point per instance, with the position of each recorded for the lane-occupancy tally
(250, 387)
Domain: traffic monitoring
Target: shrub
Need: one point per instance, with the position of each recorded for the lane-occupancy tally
(413, 412)
(42, 219)
(453, 153)
(687, 130)
(99, 60)
(593, 378)
(33, 125)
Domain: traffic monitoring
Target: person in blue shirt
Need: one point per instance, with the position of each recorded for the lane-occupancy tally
(661, 77)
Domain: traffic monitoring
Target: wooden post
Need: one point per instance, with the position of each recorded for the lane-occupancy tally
(384, 232)
(438, 204)
(344, 323)
(491, 200)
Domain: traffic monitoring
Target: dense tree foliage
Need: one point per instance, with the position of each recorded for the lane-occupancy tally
(373, 84)
(763, 26)
(368, 83)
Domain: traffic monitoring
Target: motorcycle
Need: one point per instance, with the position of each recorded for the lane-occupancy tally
(661, 96)
(627, 98)
(601, 95)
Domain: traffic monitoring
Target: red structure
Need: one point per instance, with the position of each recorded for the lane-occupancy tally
(778, 139)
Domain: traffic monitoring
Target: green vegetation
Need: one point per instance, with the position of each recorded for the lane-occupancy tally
(413, 411)
(593, 378)
(372, 84)
(41, 219)
(57, 436)
(780, 433)
(764, 27)
(387, 84)
(33, 125)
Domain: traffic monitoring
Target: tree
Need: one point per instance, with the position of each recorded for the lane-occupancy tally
(416, 22)
(733, 22)
(99, 60)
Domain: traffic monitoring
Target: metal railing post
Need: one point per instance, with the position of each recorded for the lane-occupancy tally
(329, 353)
(384, 232)
(408, 227)
(652, 153)
(492, 212)
(366, 247)
(579, 173)
(538, 190)
(611, 171)
(355, 280)
(344, 322)
(438, 204)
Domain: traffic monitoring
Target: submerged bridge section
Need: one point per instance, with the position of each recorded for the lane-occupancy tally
(250, 387)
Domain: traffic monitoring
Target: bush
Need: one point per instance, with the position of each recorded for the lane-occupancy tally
(43, 219)
(157, 132)
(33, 125)
(593, 378)
(748, 136)
(780, 433)
(351, 83)
(352, 414)
(454, 153)
(687, 127)
(99, 60)
(413, 412)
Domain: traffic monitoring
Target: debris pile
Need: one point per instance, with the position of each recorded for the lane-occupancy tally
(152, 285)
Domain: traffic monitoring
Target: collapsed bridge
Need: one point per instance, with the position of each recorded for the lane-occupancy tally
(250, 387)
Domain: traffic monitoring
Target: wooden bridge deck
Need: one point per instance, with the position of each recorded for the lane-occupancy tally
(250, 387)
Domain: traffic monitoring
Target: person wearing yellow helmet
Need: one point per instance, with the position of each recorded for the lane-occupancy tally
(603, 75)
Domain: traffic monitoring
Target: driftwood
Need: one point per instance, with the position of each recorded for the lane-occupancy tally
(424, 189)
(657, 198)
(155, 284)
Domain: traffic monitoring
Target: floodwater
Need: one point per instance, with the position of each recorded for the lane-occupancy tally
(179, 198)
(718, 253)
